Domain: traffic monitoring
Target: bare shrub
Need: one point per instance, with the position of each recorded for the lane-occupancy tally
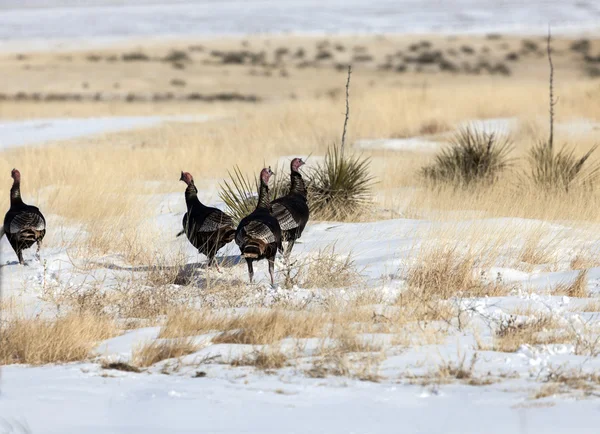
(38, 340)
(473, 157)
(155, 351)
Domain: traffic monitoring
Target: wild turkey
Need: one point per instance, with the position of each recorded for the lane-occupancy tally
(291, 210)
(258, 235)
(208, 229)
(24, 224)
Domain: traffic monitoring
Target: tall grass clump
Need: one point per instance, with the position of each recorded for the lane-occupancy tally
(340, 187)
(37, 341)
(559, 171)
(473, 157)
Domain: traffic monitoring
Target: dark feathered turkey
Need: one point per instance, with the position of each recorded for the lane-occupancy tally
(258, 235)
(24, 224)
(291, 210)
(207, 228)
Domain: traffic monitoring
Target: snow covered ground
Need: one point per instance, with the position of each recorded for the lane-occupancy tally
(83, 397)
(52, 23)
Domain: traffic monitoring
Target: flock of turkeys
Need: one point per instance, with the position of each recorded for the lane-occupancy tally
(259, 235)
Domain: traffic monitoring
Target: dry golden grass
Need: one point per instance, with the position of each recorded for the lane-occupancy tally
(592, 306)
(265, 359)
(253, 327)
(39, 341)
(546, 391)
(537, 250)
(578, 288)
(536, 331)
(442, 272)
(324, 270)
(156, 351)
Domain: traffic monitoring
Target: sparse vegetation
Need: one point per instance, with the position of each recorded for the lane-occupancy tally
(153, 352)
(473, 158)
(37, 341)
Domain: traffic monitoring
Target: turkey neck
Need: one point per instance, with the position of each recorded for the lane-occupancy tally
(297, 184)
(263, 197)
(15, 194)
(191, 197)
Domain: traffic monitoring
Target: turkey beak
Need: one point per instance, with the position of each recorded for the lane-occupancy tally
(181, 177)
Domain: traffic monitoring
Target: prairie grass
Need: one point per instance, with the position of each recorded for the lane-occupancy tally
(262, 327)
(152, 352)
(577, 288)
(540, 330)
(442, 272)
(38, 341)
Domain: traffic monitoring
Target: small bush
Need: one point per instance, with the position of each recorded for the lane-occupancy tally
(177, 56)
(340, 187)
(560, 171)
(136, 56)
(473, 157)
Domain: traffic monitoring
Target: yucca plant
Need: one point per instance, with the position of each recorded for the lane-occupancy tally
(560, 171)
(240, 192)
(340, 187)
(473, 157)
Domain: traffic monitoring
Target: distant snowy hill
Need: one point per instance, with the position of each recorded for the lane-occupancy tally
(97, 19)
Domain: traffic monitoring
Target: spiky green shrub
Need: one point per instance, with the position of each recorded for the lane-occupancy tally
(340, 187)
(240, 192)
(560, 171)
(472, 157)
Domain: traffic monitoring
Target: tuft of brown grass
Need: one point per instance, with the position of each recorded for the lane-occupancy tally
(325, 270)
(38, 341)
(536, 251)
(253, 327)
(265, 359)
(542, 330)
(268, 327)
(155, 351)
(546, 391)
(445, 272)
(578, 288)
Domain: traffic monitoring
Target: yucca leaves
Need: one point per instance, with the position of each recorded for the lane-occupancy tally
(561, 171)
(240, 192)
(338, 189)
(472, 157)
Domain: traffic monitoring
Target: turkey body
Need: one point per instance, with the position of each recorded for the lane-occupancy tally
(208, 229)
(258, 235)
(291, 210)
(24, 225)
